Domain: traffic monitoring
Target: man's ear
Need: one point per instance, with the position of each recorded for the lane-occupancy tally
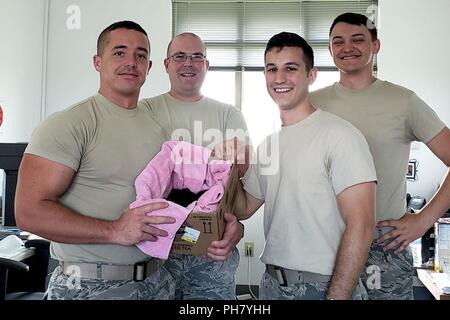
(150, 63)
(376, 46)
(166, 64)
(97, 62)
(312, 75)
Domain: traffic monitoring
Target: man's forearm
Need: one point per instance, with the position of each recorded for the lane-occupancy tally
(440, 146)
(240, 209)
(350, 261)
(438, 204)
(53, 221)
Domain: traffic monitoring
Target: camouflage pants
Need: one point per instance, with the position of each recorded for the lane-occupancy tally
(199, 277)
(158, 285)
(389, 276)
(270, 289)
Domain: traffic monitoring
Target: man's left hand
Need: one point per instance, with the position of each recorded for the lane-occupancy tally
(236, 151)
(407, 229)
(234, 231)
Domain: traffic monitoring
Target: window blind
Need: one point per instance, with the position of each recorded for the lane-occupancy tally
(236, 32)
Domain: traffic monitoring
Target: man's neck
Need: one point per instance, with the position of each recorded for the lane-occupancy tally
(126, 102)
(357, 81)
(188, 97)
(297, 114)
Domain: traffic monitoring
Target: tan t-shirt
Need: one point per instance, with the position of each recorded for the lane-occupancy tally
(206, 122)
(390, 117)
(299, 172)
(107, 146)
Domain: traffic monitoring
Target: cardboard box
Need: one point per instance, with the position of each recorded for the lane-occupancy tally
(442, 245)
(204, 227)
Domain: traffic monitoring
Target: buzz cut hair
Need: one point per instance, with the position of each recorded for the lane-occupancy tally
(125, 24)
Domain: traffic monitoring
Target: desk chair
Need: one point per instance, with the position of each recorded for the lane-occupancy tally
(30, 279)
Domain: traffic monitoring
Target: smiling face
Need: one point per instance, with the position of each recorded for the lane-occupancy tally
(287, 80)
(352, 48)
(186, 78)
(123, 64)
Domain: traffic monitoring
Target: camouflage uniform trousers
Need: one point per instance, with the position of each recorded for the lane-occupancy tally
(270, 289)
(159, 285)
(389, 276)
(199, 277)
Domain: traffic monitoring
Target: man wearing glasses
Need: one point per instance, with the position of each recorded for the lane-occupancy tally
(192, 117)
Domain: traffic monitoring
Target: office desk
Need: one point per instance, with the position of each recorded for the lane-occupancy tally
(21, 253)
(426, 278)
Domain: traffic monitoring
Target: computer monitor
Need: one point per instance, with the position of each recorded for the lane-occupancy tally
(10, 157)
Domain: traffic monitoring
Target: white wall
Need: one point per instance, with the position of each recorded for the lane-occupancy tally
(253, 233)
(32, 86)
(70, 73)
(414, 54)
(21, 31)
(46, 66)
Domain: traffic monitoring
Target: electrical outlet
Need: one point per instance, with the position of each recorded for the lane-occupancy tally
(249, 249)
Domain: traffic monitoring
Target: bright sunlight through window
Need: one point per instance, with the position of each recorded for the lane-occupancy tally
(260, 112)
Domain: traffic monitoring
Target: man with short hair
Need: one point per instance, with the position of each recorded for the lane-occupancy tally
(77, 176)
(390, 117)
(319, 203)
(192, 117)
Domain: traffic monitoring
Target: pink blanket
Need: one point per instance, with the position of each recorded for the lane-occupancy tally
(179, 165)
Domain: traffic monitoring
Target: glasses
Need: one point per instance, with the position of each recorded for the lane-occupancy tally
(182, 57)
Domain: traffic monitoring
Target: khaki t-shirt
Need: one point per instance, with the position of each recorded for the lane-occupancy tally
(390, 117)
(107, 146)
(206, 122)
(299, 172)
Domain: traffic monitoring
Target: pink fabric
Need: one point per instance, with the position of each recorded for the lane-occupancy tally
(208, 201)
(158, 248)
(179, 165)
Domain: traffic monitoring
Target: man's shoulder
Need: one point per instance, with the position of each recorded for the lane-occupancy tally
(217, 103)
(395, 88)
(322, 95)
(79, 106)
(380, 84)
(334, 123)
(331, 118)
(62, 126)
(323, 90)
(71, 114)
(149, 100)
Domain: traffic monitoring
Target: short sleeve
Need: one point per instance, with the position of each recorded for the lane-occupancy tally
(423, 122)
(252, 182)
(58, 140)
(350, 161)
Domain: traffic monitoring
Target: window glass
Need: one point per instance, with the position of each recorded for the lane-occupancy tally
(260, 112)
(220, 85)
